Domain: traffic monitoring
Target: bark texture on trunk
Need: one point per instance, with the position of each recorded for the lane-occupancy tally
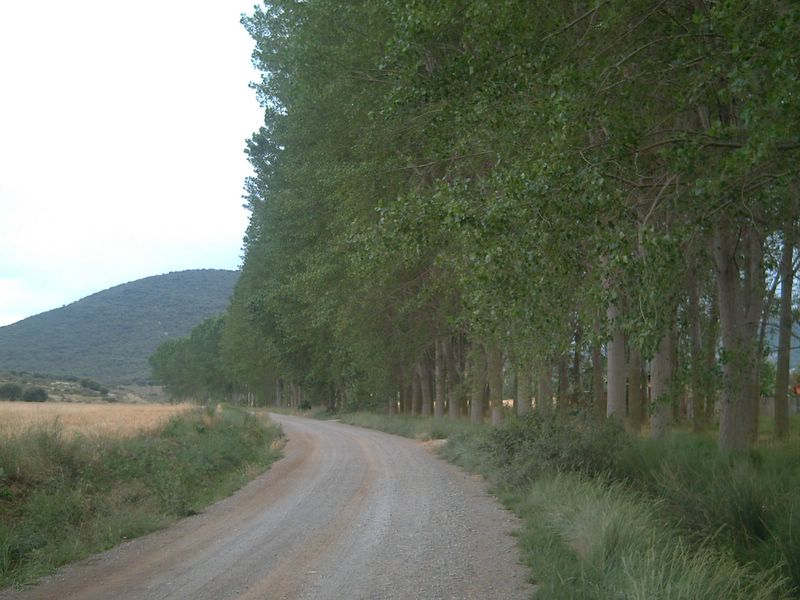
(615, 405)
(577, 392)
(440, 383)
(635, 408)
(494, 366)
(453, 383)
(477, 383)
(740, 303)
(406, 392)
(661, 373)
(544, 394)
(523, 390)
(784, 333)
(416, 392)
(563, 384)
(697, 403)
(424, 370)
(598, 382)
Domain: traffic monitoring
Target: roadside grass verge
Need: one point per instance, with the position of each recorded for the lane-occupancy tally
(588, 538)
(608, 515)
(63, 498)
(419, 428)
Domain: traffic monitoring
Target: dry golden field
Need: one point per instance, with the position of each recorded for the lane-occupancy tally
(117, 419)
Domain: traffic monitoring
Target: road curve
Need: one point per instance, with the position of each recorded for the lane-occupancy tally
(347, 514)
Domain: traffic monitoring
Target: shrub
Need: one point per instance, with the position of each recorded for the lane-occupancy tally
(10, 391)
(90, 384)
(35, 394)
(525, 448)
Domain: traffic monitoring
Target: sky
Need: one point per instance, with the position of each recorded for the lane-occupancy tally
(122, 130)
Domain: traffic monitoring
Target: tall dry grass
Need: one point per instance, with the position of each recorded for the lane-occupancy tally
(108, 420)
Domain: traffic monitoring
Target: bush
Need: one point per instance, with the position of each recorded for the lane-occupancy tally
(35, 394)
(10, 391)
(525, 448)
(90, 384)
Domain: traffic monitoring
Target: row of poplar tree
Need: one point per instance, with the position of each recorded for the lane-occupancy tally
(591, 203)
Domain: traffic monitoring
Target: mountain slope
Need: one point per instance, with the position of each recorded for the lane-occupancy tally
(109, 335)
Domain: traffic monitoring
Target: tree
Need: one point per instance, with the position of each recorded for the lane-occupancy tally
(10, 391)
(785, 332)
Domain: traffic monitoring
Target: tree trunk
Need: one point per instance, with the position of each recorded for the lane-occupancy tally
(635, 408)
(661, 380)
(544, 395)
(406, 391)
(696, 408)
(514, 390)
(784, 333)
(523, 390)
(439, 367)
(598, 383)
(739, 313)
(710, 347)
(615, 357)
(423, 368)
(494, 366)
(416, 392)
(563, 384)
(453, 387)
(477, 383)
(577, 393)
(393, 398)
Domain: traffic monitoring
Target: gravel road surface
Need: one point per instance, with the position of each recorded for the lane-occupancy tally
(347, 514)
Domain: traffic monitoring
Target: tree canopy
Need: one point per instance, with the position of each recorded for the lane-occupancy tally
(509, 183)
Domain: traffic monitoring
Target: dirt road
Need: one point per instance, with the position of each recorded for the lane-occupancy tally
(347, 514)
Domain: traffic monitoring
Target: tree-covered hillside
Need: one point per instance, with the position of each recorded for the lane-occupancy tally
(109, 336)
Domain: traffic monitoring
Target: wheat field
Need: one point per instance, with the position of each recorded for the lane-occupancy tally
(115, 420)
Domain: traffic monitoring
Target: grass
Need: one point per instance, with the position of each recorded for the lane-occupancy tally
(110, 420)
(64, 497)
(608, 515)
(419, 428)
(590, 538)
(745, 503)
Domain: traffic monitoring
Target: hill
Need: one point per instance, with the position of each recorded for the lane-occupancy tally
(109, 336)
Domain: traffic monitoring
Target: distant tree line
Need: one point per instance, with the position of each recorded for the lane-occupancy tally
(575, 204)
(14, 391)
(190, 367)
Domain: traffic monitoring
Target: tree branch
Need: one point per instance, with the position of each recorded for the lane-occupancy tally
(574, 21)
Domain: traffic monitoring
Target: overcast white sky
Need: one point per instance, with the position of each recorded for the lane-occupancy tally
(122, 129)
